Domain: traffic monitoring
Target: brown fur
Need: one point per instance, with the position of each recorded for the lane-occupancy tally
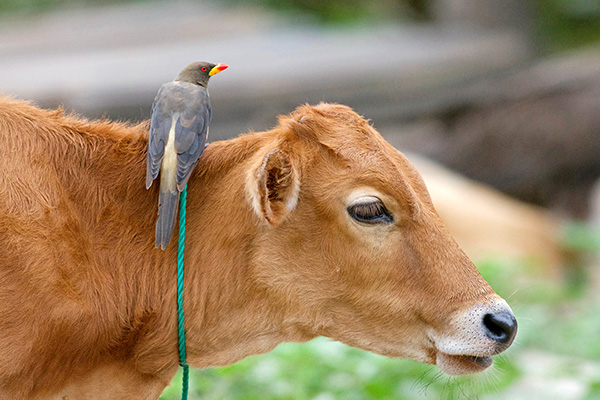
(87, 304)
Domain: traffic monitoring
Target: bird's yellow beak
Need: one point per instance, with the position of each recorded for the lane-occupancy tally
(218, 68)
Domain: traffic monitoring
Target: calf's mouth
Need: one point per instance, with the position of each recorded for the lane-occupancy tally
(462, 364)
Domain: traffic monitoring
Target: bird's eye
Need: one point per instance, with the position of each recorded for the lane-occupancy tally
(370, 212)
(204, 69)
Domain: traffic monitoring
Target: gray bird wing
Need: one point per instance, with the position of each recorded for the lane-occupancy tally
(190, 105)
(191, 131)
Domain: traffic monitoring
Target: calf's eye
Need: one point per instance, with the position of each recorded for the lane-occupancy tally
(370, 212)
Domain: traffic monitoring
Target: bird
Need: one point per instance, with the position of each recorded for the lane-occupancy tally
(181, 114)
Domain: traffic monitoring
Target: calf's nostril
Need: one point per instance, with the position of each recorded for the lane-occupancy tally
(501, 327)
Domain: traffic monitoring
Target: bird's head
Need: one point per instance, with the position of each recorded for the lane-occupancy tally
(200, 72)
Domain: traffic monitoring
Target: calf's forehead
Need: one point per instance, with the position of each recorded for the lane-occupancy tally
(357, 153)
(367, 159)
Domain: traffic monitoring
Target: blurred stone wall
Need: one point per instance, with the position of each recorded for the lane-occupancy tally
(533, 133)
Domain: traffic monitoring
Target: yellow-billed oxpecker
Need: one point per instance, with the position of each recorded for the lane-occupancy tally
(178, 133)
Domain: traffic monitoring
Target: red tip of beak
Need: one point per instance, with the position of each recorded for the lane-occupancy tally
(222, 67)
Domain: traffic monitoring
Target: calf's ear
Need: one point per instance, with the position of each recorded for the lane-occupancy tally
(274, 187)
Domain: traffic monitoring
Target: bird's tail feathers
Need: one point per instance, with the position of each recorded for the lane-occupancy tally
(168, 204)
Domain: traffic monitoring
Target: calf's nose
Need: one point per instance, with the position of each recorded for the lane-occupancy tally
(501, 327)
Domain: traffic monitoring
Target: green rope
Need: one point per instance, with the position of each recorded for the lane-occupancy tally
(180, 318)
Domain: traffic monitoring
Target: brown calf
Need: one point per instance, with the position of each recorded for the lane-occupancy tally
(317, 227)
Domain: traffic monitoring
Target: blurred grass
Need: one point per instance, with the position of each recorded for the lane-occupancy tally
(29, 7)
(324, 370)
(557, 344)
(567, 24)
